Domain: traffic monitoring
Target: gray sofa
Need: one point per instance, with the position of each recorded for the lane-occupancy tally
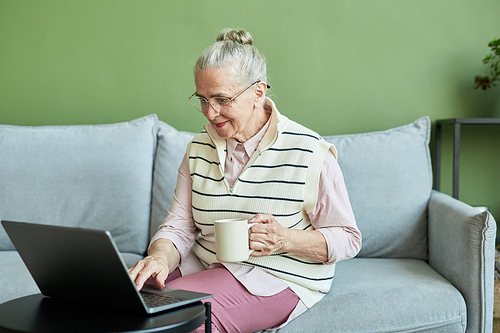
(427, 259)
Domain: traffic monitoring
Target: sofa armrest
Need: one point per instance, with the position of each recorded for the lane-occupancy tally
(462, 249)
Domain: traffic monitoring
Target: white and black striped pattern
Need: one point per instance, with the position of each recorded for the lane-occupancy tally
(275, 182)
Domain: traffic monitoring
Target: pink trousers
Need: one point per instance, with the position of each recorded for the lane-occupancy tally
(234, 309)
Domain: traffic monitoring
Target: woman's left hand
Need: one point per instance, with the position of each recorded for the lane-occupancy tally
(267, 236)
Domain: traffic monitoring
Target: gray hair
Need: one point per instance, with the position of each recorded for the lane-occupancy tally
(234, 48)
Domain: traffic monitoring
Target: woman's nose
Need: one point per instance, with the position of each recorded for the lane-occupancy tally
(211, 112)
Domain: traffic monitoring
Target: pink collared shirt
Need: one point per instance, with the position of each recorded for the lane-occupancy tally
(332, 214)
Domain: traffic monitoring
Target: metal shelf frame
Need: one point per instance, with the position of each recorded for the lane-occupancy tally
(456, 123)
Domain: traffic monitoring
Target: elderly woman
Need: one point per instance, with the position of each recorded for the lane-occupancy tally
(252, 162)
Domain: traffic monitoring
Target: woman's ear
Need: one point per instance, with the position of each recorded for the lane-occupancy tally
(260, 94)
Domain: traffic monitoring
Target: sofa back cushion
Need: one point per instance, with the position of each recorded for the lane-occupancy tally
(388, 175)
(92, 176)
(170, 151)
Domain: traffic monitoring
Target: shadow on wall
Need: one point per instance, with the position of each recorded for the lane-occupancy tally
(480, 103)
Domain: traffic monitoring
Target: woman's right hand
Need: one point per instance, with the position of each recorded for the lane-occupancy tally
(162, 259)
(149, 267)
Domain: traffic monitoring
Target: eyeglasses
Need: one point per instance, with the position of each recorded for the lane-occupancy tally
(220, 104)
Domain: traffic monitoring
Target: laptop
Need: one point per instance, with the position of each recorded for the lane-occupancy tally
(84, 265)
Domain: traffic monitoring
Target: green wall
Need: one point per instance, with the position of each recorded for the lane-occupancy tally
(335, 66)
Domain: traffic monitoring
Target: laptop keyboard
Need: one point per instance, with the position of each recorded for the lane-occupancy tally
(155, 300)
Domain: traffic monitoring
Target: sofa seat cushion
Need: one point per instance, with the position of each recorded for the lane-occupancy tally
(385, 295)
(388, 175)
(91, 176)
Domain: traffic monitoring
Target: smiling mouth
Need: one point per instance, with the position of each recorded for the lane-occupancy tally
(219, 125)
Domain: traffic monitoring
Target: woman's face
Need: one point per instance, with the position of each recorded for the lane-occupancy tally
(243, 120)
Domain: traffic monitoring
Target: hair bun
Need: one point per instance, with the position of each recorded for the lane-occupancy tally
(241, 36)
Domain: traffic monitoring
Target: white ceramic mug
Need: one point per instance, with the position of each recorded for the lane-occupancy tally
(232, 240)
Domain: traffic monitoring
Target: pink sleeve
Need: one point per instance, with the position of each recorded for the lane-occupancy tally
(179, 226)
(333, 215)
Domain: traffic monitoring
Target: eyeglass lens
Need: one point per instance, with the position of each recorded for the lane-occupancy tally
(219, 104)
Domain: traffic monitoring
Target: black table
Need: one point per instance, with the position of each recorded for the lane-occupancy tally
(37, 313)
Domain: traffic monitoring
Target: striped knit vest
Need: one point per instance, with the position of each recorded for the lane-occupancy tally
(280, 179)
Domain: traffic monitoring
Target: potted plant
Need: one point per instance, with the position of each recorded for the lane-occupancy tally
(493, 59)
